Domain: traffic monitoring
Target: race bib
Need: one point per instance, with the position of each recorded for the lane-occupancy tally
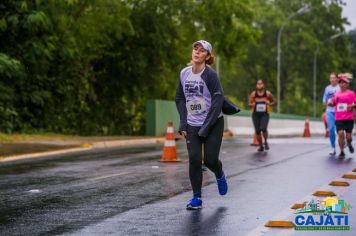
(261, 107)
(341, 107)
(196, 106)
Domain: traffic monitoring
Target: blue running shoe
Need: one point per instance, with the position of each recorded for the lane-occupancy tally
(194, 204)
(222, 185)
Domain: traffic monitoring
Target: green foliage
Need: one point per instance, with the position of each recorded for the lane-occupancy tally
(10, 71)
(300, 38)
(88, 67)
(10, 67)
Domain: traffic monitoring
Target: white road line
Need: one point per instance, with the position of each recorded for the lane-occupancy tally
(109, 176)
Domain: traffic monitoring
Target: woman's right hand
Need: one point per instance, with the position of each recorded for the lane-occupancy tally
(184, 133)
(330, 102)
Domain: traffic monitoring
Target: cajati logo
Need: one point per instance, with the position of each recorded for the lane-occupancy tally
(328, 214)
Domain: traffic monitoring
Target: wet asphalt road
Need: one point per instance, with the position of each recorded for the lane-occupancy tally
(128, 192)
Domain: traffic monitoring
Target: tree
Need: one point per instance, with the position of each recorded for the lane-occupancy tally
(89, 66)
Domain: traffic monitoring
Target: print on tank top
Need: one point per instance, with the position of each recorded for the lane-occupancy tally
(193, 90)
(260, 103)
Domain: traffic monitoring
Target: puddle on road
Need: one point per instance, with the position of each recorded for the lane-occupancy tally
(34, 191)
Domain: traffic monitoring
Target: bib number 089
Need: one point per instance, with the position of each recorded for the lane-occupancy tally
(196, 106)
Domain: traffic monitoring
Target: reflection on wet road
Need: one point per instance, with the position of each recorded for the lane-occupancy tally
(127, 191)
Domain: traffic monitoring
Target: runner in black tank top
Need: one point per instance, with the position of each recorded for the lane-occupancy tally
(260, 101)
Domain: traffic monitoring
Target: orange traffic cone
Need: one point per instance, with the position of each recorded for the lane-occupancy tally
(254, 142)
(306, 133)
(169, 148)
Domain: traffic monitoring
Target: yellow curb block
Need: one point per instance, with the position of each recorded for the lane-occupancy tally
(297, 206)
(86, 145)
(349, 176)
(339, 183)
(280, 224)
(324, 194)
(228, 133)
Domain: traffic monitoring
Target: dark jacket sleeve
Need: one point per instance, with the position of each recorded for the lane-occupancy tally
(229, 108)
(217, 100)
(182, 109)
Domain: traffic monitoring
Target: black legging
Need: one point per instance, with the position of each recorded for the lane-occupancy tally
(260, 122)
(212, 144)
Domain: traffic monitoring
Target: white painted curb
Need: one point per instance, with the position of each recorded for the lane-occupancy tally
(122, 143)
(42, 154)
(241, 125)
(86, 147)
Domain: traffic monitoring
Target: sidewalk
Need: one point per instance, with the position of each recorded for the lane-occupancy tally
(10, 151)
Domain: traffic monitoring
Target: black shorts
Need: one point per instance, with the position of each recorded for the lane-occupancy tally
(346, 125)
(260, 121)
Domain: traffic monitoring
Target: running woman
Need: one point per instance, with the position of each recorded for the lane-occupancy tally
(199, 100)
(329, 92)
(260, 101)
(344, 102)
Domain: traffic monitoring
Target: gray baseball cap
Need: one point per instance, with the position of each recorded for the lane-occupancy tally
(206, 45)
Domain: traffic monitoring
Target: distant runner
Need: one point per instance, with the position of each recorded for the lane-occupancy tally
(344, 102)
(260, 101)
(199, 100)
(329, 92)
